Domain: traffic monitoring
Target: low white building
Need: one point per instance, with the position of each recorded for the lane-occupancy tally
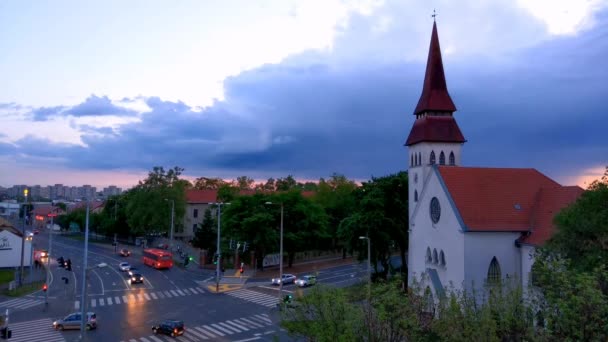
(10, 246)
(9, 209)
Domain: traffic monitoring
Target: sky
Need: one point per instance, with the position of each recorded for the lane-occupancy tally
(100, 92)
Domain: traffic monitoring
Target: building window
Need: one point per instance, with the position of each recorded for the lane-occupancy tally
(419, 158)
(429, 258)
(412, 160)
(442, 258)
(435, 210)
(432, 157)
(415, 195)
(494, 275)
(195, 213)
(194, 227)
(441, 158)
(452, 159)
(435, 259)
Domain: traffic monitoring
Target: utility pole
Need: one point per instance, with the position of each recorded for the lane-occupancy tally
(48, 257)
(83, 301)
(219, 252)
(25, 191)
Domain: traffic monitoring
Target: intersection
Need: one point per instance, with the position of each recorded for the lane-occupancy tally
(244, 309)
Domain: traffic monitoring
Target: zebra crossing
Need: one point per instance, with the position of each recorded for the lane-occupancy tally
(214, 331)
(40, 330)
(20, 303)
(255, 297)
(140, 297)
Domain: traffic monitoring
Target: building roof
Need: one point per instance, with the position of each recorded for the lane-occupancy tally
(506, 200)
(45, 210)
(201, 196)
(435, 129)
(549, 202)
(5, 225)
(435, 96)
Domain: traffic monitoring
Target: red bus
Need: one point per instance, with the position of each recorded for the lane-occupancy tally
(158, 258)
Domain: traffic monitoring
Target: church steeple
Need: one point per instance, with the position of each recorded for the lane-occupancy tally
(435, 96)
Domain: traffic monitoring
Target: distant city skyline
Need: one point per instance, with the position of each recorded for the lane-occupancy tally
(302, 88)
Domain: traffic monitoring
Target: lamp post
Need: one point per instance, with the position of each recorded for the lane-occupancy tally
(172, 217)
(219, 252)
(83, 311)
(48, 256)
(25, 191)
(84, 273)
(369, 266)
(280, 253)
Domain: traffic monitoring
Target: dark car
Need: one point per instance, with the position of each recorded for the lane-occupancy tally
(169, 327)
(125, 252)
(136, 278)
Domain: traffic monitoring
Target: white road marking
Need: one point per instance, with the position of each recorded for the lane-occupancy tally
(153, 295)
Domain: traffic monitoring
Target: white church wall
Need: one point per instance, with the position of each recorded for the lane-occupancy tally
(481, 247)
(527, 260)
(10, 250)
(444, 235)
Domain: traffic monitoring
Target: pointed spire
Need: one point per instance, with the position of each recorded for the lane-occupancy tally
(435, 96)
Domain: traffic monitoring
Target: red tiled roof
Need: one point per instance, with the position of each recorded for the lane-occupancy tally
(435, 129)
(45, 210)
(83, 205)
(549, 202)
(201, 196)
(495, 199)
(435, 96)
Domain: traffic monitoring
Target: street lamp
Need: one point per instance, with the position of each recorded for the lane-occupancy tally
(280, 253)
(369, 267)
(48, 257)
(219, 252)
(172, 217)
(25, 191)
(83, 311)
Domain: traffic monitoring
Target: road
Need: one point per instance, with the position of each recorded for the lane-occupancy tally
(127, 312)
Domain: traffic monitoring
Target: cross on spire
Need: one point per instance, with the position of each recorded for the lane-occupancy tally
(434, 15)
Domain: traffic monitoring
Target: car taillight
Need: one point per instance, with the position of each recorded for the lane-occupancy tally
(175, 330)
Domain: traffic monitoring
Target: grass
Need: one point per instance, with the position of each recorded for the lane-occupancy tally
(6, 276)
(25, 289)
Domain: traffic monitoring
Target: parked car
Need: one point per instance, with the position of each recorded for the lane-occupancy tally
(136, 278)
(124, 266)
(287, 279)
(36, 232)
(169, 327)
(307, 280)
(163, 246)
(125, 252)
(73, 321)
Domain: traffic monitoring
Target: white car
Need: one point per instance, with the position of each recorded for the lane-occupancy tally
(124, 266)
(287, 279)
(307, 280)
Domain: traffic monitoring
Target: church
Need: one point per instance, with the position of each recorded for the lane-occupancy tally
(470, 226)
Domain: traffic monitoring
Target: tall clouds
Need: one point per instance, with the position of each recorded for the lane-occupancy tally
(525, 99)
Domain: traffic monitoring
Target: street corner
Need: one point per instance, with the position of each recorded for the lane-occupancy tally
(224, 288)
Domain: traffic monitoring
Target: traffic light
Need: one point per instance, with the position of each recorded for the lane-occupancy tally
(245, 246)
(44, 287)
(215, 257)
(186, 260)
(5, 333)
(287, 299)
(68, 265)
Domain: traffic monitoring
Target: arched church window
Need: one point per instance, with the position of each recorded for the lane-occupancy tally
(412, 160)
(419, 158)
(430, 301)
(452, 159)
(494, 275)
(435, 259)
(441, 158)
(432, 157)
(415, 195)
(442, 258)
(429, 258)
(415, 159)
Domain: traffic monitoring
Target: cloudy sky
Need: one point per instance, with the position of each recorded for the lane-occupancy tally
(99, 92)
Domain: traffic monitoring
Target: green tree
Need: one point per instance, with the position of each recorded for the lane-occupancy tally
(381, 213)
(148, 205)
(582, 235)
(204, 236)
(285, 184)
(336, 196)
(205, 183)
